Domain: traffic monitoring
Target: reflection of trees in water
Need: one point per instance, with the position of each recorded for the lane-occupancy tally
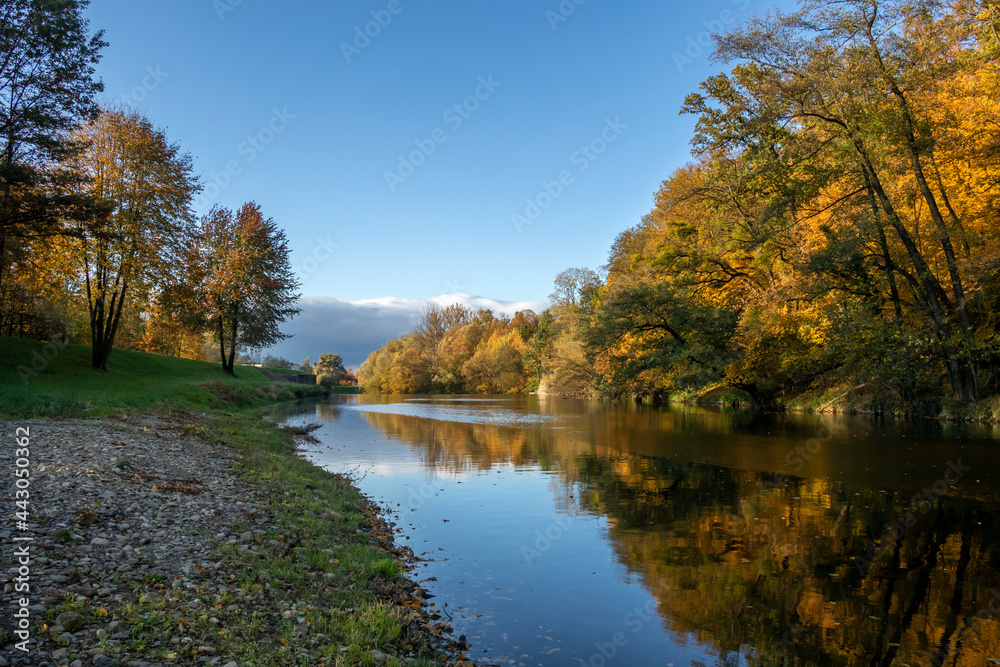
(454, 446)
(776, 569)
(328, 412)
(763, 571)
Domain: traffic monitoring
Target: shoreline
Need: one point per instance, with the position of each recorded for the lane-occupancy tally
(178, 540)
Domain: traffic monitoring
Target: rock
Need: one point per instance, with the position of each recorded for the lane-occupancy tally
(141, 541)
(71, 621)
(378, 656)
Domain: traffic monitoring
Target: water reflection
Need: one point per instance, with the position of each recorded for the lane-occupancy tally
(793, 541)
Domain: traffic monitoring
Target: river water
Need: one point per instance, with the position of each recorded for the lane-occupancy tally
(575, 532)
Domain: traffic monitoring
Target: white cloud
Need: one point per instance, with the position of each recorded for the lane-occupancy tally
(355, 329)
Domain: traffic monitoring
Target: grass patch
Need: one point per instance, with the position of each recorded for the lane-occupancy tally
(50, 380)
(326, 554)
(344, 390)
(286, 371)
(321, 585)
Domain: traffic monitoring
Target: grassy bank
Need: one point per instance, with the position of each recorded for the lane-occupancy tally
(46, 379)
(326, 548)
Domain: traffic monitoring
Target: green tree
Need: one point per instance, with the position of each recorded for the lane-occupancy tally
(330, 369)
(273, 361)
(46, 87)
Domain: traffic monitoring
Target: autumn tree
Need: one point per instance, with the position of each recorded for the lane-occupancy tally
(574, 287)
(163, 333)
(241, 285)
(840, 91)
(146, 185)
(454, 350)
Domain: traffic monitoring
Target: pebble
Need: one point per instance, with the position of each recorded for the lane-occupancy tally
(70, 621)
(378, 656)
(178, 501)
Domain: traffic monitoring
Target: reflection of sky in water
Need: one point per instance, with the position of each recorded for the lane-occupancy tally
(460, 400)
(457, 413)
(546, 534)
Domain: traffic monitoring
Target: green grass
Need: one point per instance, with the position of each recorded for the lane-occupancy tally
(286, 371)
(65, 384)
(344, 390)
(325, 548)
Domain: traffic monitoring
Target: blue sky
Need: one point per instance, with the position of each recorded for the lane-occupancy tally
(293, 106)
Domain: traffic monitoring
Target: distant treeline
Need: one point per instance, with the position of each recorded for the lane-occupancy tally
(456, 350)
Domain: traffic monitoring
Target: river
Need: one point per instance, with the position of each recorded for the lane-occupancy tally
(576, 532)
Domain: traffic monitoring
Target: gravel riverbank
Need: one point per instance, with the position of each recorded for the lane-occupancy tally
(144, 539)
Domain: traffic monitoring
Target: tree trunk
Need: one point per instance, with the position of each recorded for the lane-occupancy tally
(222, 343)
(232, 350)
(961, 373)
(963, 369)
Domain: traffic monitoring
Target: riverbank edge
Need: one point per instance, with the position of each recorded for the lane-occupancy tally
(848, 400)
(312, 516)
(411, 631)
(830, 401)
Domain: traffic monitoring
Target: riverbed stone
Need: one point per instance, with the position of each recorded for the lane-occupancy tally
(70, 621)
(150, 534)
